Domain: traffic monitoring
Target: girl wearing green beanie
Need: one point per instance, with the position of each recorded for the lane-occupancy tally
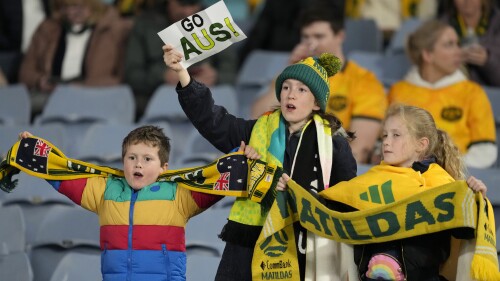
(299, 136)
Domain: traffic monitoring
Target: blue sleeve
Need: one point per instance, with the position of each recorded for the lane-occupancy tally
(55, 184)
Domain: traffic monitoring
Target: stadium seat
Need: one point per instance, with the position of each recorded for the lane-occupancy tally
(198, 151)
(258, 70)
(15, 267)
(63, 230)
(397, 43)
(362, 35)
(102, 144)
(203, 230)
(15, 108)
(78, 267)
(201, 267)
(75, 104)
(12, 232)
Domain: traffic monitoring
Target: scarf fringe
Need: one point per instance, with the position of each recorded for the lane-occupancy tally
(484, 269)
(7, 184)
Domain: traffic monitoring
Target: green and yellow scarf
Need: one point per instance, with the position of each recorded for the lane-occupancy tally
(269, 140)
(228, 175)
(386, 216)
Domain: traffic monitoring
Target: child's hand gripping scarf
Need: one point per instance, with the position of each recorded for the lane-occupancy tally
(391, 216)
(225, 176)
(269, 140)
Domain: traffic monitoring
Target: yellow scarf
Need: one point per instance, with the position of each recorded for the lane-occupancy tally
(227, 175)
(431, 210)
(409, 8)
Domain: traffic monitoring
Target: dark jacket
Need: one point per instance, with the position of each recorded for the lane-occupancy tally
(225, 132)
(487, 74)
(103, 63)
(11, 24)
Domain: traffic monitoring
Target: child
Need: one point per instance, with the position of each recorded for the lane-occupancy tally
(414, 150)
(142, 220)
(298, 136)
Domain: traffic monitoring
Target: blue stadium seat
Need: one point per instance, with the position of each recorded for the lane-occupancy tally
(15, 108)
(203, 230)
(75, 104)
(78, 267)
(398, 40)
(198, 151)
(101, 144)
(201, 267)
(16, 267)
(12, 232)
(362, 35)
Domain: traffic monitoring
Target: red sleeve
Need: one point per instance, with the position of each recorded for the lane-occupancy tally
(204, 200)
(73, 189)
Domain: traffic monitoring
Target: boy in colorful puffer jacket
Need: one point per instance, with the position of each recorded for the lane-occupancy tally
(142, 221)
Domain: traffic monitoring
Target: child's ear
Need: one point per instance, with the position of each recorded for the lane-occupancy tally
(423, 144)
(316, 105)
(165, 166)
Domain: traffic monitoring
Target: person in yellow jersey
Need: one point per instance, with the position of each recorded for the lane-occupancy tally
(357, 98)
(436, 83)
(417, 157)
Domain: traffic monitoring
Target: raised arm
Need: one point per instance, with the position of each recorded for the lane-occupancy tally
(172, 59)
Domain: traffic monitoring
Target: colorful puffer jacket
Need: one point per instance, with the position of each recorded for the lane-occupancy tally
(142, 232)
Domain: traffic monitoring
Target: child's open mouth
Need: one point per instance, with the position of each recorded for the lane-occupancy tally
(138, 175)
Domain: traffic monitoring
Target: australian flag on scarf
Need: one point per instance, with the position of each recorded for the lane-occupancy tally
(33, 155)
(233, 171)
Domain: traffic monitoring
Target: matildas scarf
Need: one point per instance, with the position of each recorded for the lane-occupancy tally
(269, 140)
(228, 175)
(386, 216)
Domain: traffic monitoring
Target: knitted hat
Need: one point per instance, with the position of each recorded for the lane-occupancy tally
(313, 72)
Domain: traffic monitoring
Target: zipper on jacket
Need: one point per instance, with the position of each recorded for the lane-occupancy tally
(360, 274)
(130, 231)
(404, 262)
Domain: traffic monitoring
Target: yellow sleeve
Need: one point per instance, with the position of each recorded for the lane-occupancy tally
(369, 98)
(93, 194)
(480, 119)
(185, 203)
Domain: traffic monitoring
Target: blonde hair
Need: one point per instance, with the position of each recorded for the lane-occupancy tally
(424, 38)
(420, 124)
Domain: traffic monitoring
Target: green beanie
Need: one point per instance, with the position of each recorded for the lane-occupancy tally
(313, 72)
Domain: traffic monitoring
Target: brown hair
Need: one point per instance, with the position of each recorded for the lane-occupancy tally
(150, 135)
(97, 8)
(424, 38)
(421, 124)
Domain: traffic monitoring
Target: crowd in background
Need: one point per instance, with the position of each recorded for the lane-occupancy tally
(104, 43)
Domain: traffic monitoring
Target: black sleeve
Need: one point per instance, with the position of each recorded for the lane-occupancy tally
(344, 165)
(222, 129)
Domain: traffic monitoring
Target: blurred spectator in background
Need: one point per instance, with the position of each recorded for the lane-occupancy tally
(459, 106)
(357, 98)
(144, 66)
(389, 14)
(477, 23)
(18, 21)
(83, 42)
(276, 28)
(3, 80)
(130, 8)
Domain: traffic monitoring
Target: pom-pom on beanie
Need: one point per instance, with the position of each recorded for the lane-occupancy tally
(313, 72)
